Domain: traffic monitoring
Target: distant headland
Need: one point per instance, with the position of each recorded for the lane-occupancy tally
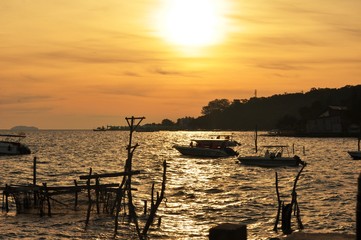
(24, 128)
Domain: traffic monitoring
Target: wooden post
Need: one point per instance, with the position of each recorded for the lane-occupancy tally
(293, 148)
(7, 198)
(97, 194)
(159, 221)
(118, 202)
(279, 205)
(152, 198)
(255, 139)
(286, 218)
(358, 210)
(46, 194)
(89, 199)
(76, 194)
(34, 180)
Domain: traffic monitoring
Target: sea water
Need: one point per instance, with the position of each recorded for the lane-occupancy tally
(200, 193)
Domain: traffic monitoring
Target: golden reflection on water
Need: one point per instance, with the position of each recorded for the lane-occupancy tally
(200, 193)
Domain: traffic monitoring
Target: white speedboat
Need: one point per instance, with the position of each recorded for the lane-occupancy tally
(272, 156)
(209, 148)
(10, 145)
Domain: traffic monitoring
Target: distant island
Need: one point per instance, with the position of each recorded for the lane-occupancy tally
(24, 129)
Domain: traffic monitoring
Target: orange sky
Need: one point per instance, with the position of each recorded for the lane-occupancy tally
(69, 64)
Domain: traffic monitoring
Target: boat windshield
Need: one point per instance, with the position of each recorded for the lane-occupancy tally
(274, 150)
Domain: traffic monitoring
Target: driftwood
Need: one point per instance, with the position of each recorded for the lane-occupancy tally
(287, 209)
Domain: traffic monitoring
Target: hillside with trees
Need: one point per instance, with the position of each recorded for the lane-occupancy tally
(289, 111)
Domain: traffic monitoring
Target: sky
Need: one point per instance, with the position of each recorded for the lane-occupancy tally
(81, 64)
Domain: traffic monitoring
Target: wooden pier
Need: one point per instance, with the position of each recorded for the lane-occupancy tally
(87, 193)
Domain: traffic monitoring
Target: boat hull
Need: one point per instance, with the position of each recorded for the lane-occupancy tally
(270, 162)
(356, 155)
(205, 152)
(13, 148)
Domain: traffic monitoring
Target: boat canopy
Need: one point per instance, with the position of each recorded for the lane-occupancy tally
(274, 146)
(12, 135)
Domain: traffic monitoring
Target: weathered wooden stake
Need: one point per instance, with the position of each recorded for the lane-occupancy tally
(358, 209)
(255, 139)
(97, 194)
(118, 202)
(34, 181)
(279, 205)
(76, 194)
(89, 199)
(46, 195)
(159, 221)
(7, 198)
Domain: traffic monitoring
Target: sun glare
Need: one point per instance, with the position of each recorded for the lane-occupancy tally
(191, 23)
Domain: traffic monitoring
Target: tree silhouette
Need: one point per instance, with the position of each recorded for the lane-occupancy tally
(216, 105)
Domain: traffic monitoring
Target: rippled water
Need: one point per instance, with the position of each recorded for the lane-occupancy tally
(200, 193)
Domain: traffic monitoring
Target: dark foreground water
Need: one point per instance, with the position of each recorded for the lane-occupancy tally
(200, 193)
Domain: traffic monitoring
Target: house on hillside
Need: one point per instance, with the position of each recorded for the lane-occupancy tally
(336, 120)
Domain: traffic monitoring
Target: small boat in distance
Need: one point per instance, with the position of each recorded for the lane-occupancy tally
(356, 155)
(102, 128)
(213, 148)
(10, 145)
(110, 128)
(272, 156)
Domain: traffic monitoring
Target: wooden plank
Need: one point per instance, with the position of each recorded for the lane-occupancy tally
(105, 175)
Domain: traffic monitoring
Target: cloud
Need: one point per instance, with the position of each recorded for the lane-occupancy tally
(289, 40)
(29, 110)
(124, 89)
(280, 66)
(131, 74)
(25, 99)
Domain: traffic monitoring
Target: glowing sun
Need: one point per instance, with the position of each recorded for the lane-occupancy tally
(191, 23)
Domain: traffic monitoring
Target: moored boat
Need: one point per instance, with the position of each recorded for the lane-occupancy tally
(272, 156)
(10, 145)
(356, 155)
(213, 148)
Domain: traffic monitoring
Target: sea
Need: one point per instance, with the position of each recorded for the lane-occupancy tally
(200, 193)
